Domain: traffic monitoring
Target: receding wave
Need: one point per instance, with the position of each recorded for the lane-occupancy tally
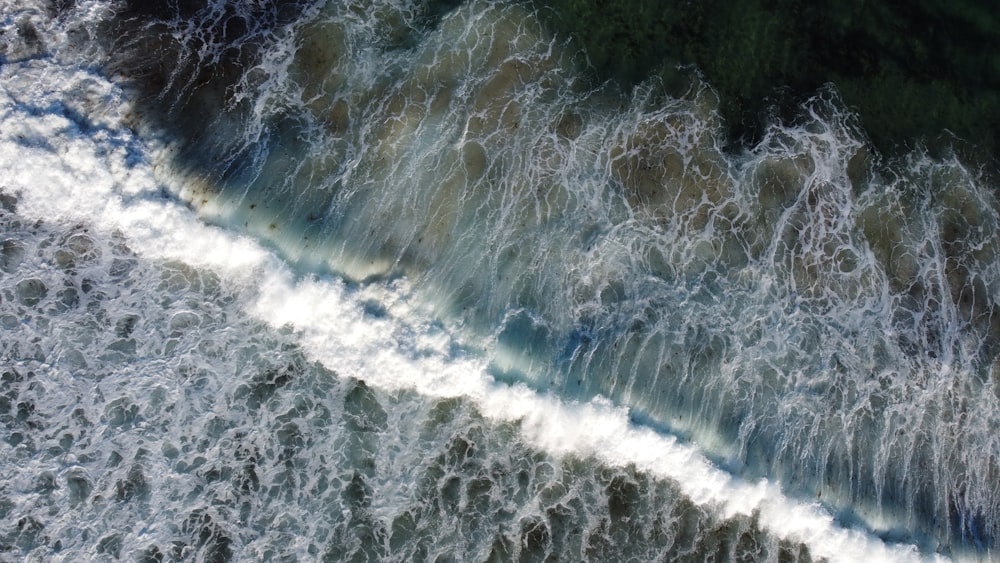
(799, 310)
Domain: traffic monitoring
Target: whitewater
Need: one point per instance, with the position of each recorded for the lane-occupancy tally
(391, 281)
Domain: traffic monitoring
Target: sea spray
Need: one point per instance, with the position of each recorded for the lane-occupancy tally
(799, 309)
(150, 417)
(145, 415)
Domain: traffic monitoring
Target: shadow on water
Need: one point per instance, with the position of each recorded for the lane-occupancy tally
(186, 60)
(916, 72)
(181, 78)
(911, 69)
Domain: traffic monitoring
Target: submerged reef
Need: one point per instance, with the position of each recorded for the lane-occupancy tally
(913, 70)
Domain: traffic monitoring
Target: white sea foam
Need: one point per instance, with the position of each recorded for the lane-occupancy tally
(392, 355)
(96, 172)
(789, 308)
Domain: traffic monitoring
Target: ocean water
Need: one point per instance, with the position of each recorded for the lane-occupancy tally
(398, 280)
